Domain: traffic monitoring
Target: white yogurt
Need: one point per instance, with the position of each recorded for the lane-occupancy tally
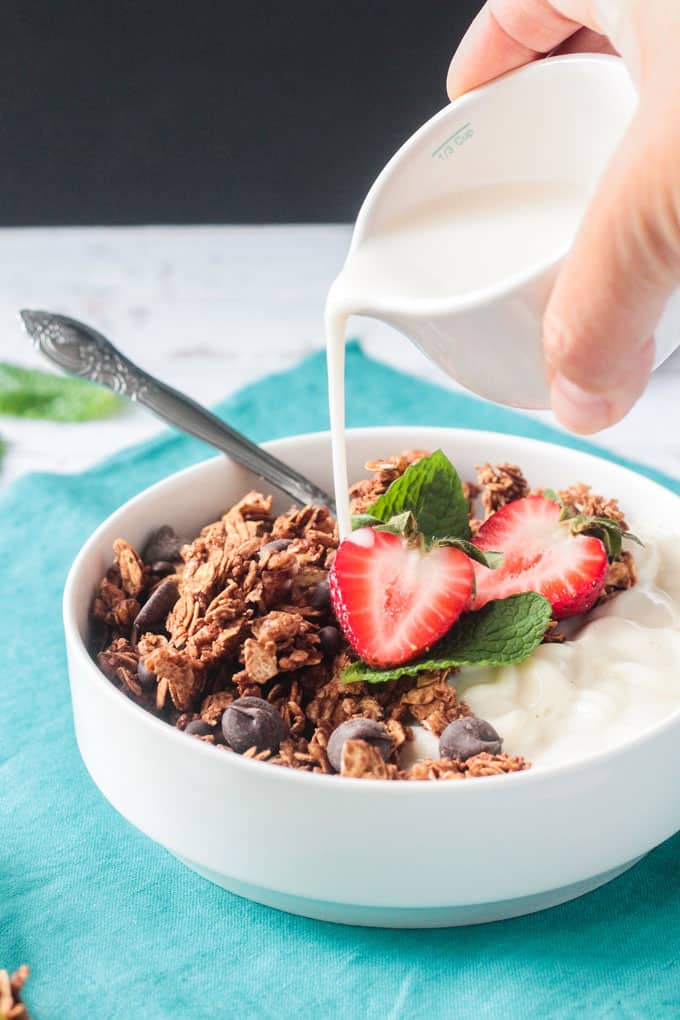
(619, 675)
(475, 238)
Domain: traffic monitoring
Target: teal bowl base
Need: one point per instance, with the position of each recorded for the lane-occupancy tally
(408, 917)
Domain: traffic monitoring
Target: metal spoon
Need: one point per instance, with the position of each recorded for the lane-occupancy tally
(83, 351)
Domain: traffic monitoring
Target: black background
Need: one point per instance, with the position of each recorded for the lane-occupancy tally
(176, 112)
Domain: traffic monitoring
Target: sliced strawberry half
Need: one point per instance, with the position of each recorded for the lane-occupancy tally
(540, 554)
(392, 600)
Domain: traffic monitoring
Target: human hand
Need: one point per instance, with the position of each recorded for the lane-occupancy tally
(599, 324)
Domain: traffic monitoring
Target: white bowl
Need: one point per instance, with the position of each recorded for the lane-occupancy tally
(363, 851)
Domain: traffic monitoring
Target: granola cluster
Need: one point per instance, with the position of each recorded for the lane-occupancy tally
(361, 761)
(11, 1006)
(186, 629)
(499, 484)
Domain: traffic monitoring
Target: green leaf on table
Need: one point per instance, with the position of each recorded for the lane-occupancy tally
(501, 633)
(432, 492)
(31, 393)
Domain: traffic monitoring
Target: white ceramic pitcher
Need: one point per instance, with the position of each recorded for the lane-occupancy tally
(557, 119)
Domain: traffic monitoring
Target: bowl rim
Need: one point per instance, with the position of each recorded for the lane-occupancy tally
(157, 727)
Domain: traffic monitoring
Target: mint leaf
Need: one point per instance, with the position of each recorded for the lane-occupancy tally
(552, 495)
(490, 559)
(610, 532)
(502, 633)
(431, 490)
(405, 524)
(30, 393)
(364, 521)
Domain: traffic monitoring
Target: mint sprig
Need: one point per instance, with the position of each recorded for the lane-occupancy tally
(31, 393)
(487, 559)
(432, 491)
(610, 532)
(404, 524)
(426, 504)
(501, 633)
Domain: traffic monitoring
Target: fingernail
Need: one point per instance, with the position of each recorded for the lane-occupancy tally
(578, 410)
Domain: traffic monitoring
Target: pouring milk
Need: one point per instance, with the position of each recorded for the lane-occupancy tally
(458, 242)
(448, 248)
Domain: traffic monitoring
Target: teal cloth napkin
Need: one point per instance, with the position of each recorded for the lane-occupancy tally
(113, 927)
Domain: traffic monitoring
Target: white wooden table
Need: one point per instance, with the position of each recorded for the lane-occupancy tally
(209, 309)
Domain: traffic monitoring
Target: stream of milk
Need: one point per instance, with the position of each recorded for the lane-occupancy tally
(445, 250)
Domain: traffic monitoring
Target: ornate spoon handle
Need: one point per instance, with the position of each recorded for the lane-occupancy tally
(83, 351)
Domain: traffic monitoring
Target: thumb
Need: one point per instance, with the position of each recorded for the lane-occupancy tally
(600, 319)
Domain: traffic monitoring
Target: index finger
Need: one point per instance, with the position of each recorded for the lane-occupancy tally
(506, 34)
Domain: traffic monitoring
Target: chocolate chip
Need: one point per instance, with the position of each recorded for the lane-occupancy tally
(219, 735)
(329, 639)
(157, 606)
(146, 678)
(165, 544)
(358, 729)
(198, 728)
(253, 722)
(162, 567)
(468, 736)
(278, 545)
(320, 595)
